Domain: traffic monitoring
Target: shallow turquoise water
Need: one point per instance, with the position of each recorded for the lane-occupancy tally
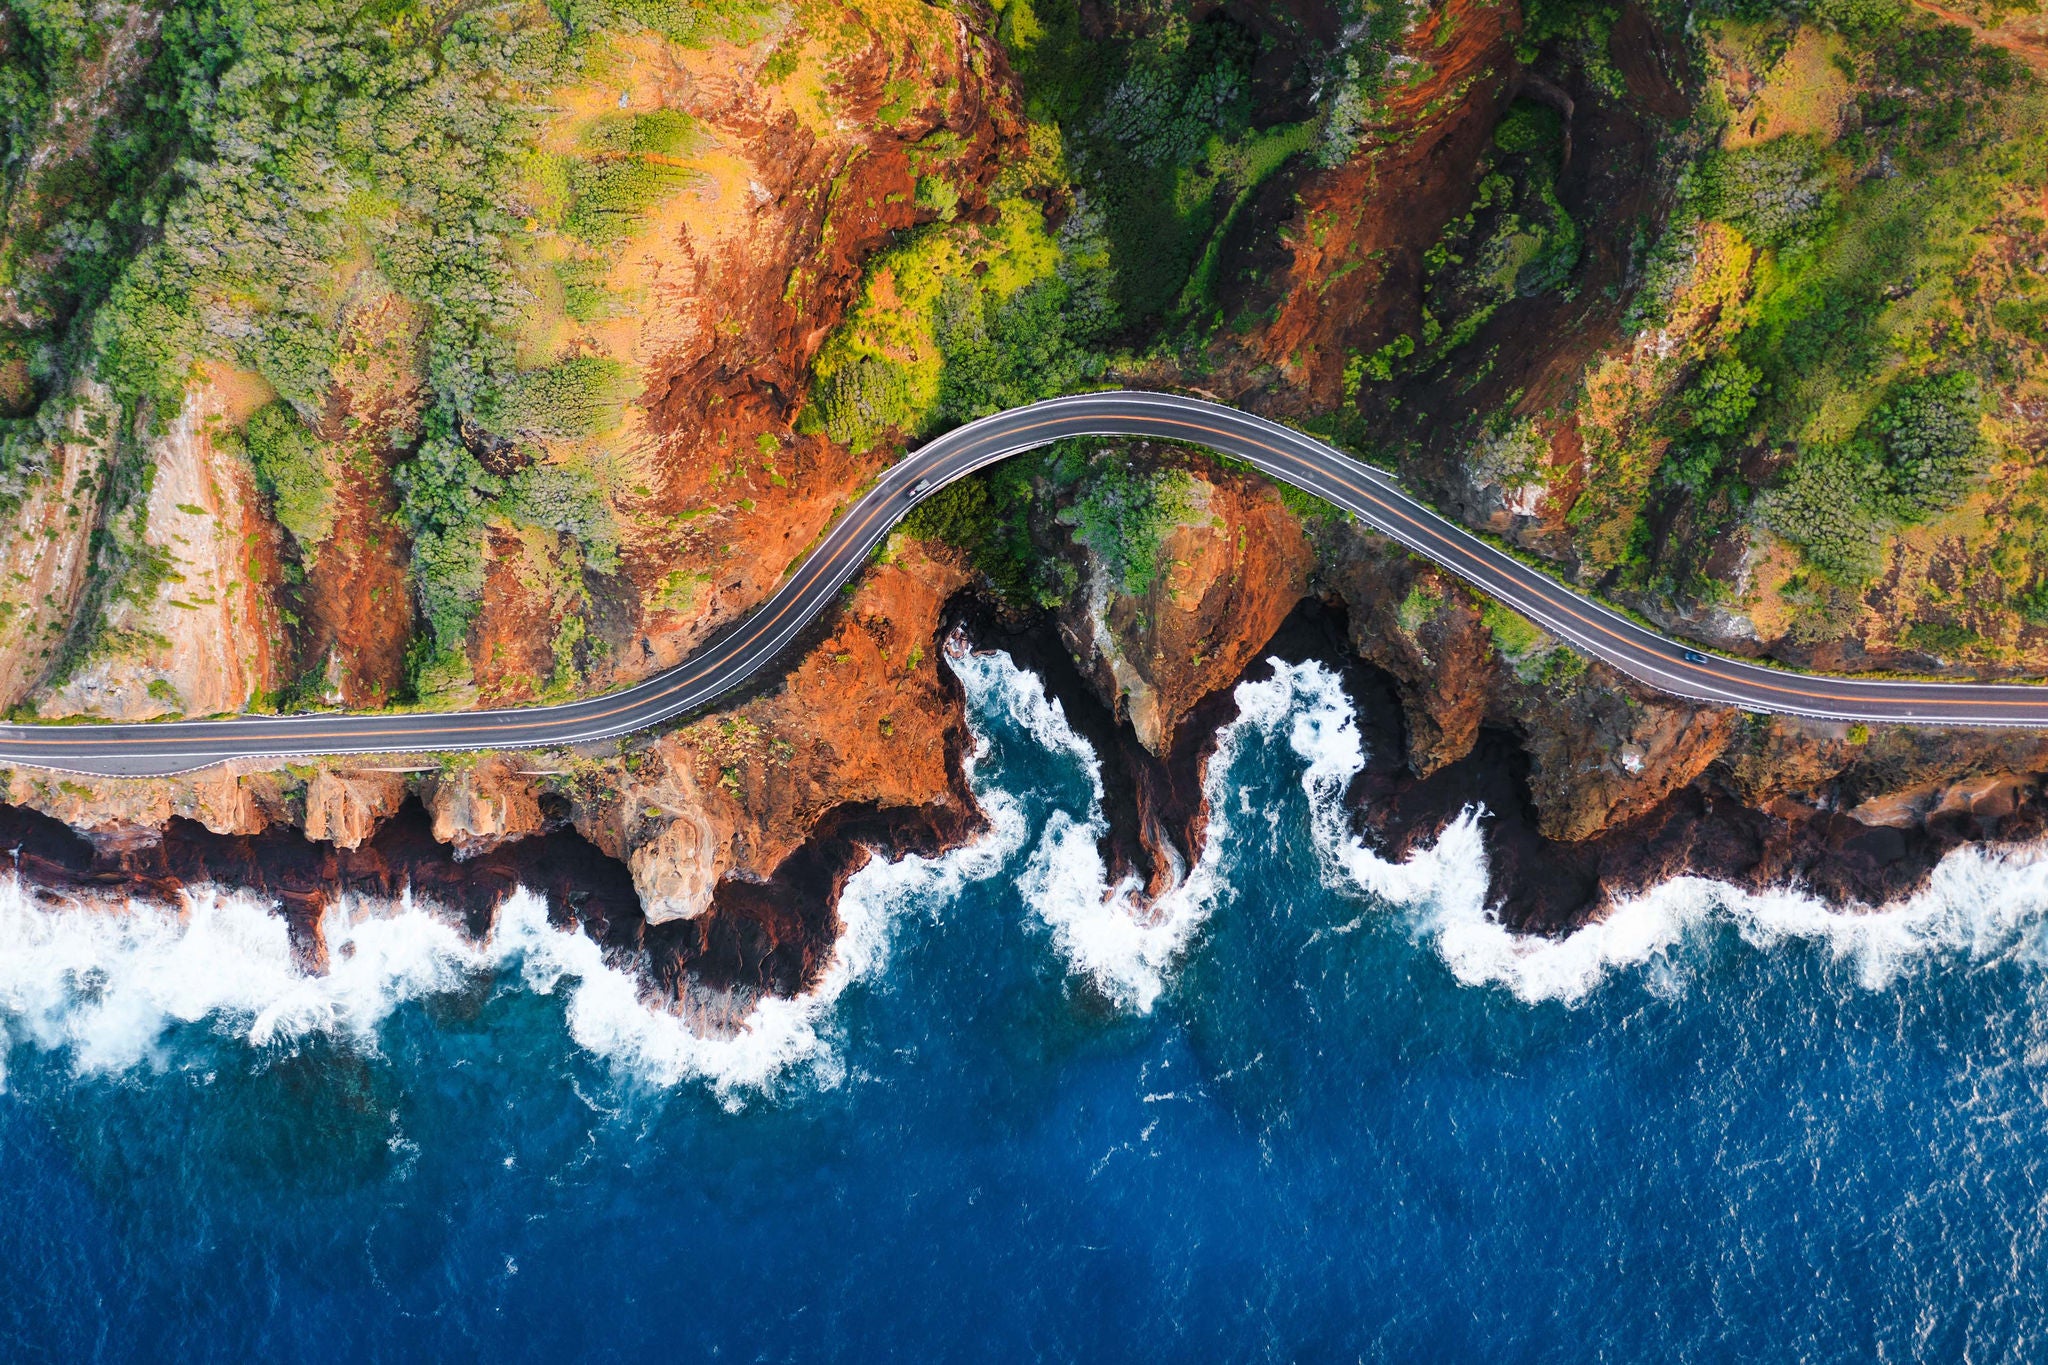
(1320, 1109)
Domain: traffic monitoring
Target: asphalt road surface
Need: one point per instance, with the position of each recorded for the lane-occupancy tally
(735, 655)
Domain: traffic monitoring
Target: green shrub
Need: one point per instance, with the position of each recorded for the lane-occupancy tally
(660, 132)
(1861, 17)
(1719, 402)
(1933, 448)
(576, 397)
(1777, 192)
(1692, 466)
(1515, 636)
(1163, 118)
(980, 318)
(1422, 602)
(292, 473)
(1840, 501)
(611, 195)
(1124, 514)
(1825, 508)
(862, 401)
(1528, 126)
(1940, 637)
(1157, 129)
(446, 495)
(961, 514)
(680, 20)
(584, 294)
(988, 516)
(568, 501)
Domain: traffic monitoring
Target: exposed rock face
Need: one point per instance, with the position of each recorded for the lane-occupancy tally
(1231, 572)
(1594, 787)
(345, 807)
(675, 868)
(865, 719)
(730, 837)
(1602, 750)
(200, 639)
(1410, 619)
(723, 297)
(1607, 751)
(475, 808)
(46, 554)
(236, 798)
(1355, 248)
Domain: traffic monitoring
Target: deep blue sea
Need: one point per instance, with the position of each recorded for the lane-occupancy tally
(1315, 1107)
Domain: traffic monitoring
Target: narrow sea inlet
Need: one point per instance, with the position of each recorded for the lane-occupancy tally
(1314, 1106)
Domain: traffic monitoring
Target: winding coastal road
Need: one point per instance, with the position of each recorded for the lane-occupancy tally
(162, 747)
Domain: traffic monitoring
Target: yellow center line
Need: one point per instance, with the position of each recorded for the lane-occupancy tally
(753, 632)
(1447, 549)
(1592, 623)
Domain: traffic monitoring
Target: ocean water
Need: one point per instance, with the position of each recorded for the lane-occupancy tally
(1314, 1107)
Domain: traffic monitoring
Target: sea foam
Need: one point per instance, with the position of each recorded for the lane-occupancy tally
(1982, 903)
(107, 982)
(1106, 933)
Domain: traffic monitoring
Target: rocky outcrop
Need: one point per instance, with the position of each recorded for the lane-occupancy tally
(345, 807)
(1593, 786)
(713, 852)
(197, 634)
(476, 806)
(865, 719)
(239, 798)
(1230, 573)
(1414, 621)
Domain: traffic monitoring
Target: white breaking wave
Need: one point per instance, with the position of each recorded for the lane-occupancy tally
(1981, 903)
(1106, 933)
(107, 982)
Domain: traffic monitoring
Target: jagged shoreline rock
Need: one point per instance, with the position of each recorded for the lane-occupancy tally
(713, 855)
(1782, 803)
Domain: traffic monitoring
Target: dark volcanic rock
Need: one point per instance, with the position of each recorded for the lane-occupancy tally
(1536, 884)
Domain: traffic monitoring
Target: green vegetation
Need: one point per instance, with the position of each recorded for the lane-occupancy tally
(577, 397)
(1916, 459)
(1851, 346)
(252, 158)
(73, 221)
(1514, 635)
(1120, 509)
(447, 494)
(1162, 137)
(989, 516)
(1523, 646)
(566, 501)
(1514, 240)
(1124, 514)
(449, 502)
(626, 170)
(962, 320)
(1422, 602)
(1779, 193)
(289, 468)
